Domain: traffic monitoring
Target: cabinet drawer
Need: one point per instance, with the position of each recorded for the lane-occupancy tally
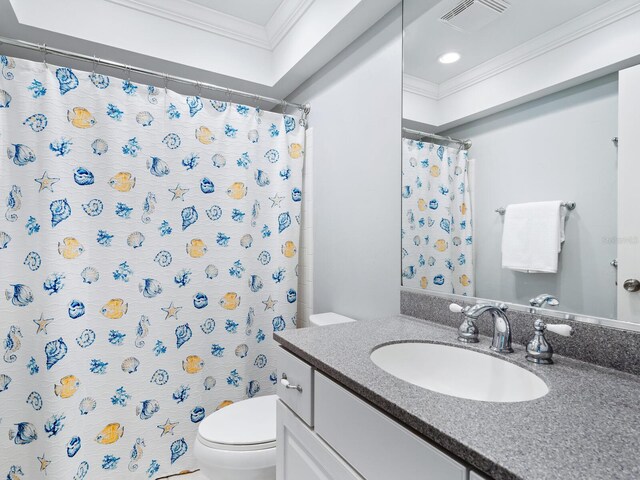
(375, 445)
(302, 455)
(299, 373)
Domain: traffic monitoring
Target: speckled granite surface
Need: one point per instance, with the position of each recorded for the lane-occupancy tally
(605, 346)
(586, 427)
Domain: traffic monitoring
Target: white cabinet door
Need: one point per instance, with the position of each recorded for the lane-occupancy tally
(376, 446)
(628, 192)
(302, 455)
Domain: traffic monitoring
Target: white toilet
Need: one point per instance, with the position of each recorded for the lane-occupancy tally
(238, 442)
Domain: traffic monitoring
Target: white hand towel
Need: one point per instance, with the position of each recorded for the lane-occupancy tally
(532, 236)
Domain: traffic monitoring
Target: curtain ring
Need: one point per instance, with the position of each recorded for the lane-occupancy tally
(229, 96)
(257, 100)
(199, 88)
(283, 104)
(93, 67)
(166, 82)
(128, 71)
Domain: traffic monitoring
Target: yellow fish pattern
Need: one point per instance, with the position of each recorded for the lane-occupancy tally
(80, 117)
(70, 248)
(192, 364)
(441, 245)
(289, 249)
(205, 136)
(295, 150)
(115, 308)
(237, 190)
(223, 404)
(230, 301)
(150, 243)
(437, 228)
(67, 387)
(110, 434)
(122, 181)
(196, 248)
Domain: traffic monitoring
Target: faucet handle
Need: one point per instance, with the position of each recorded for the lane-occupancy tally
(468, 331)
(455, 308)
(539, 350)
(561, 329)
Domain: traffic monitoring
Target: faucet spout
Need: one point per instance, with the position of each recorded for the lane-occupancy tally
(501, 326)
(545, 298)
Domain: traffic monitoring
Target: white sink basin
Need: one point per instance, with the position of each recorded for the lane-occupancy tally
(459, 372)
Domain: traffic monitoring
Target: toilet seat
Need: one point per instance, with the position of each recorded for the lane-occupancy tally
(248, 425)
(237, 448)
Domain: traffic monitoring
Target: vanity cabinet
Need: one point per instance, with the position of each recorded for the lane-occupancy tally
(325, 432)
(302, 455)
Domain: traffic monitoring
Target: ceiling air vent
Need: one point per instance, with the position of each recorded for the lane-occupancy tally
(472, 15)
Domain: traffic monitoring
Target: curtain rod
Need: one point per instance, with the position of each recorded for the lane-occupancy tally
(44, 49)
(466, 144)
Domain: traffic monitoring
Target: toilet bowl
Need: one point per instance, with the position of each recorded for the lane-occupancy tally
(238, 442)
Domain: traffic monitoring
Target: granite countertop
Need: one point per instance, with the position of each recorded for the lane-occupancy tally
(587, 426)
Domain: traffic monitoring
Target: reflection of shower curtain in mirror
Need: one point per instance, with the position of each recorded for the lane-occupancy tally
(437, 231)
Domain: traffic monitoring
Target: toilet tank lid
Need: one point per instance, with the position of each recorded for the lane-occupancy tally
(329, 318)
(248, 422)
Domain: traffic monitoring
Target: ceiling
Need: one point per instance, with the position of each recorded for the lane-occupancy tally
(266, 47)
(426, 37)
(255, 12)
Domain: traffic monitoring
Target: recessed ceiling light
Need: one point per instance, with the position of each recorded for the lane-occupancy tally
(449, 57)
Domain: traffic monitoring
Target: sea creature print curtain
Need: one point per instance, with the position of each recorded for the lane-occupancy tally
(148, 250)
(437, 229)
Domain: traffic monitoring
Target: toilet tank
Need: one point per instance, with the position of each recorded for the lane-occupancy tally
(329, 318)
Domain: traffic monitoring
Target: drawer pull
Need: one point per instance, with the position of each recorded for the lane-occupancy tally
(285, 383)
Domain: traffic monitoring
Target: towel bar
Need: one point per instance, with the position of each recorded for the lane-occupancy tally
(568, 205)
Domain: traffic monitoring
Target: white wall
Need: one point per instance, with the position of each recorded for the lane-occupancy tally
(305, 250)
(356, 118)
(555, 148)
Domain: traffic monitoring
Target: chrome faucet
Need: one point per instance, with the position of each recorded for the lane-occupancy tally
(468, 331)
(545, 298)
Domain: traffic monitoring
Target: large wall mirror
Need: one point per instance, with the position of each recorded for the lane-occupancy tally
(519, 172)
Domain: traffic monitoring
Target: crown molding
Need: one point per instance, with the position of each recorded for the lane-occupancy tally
(284, 18)
(611, 12)
(213, 21)
(202, 18)
(420, 86)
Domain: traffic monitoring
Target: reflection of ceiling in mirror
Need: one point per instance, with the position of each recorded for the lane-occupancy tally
(426, 37)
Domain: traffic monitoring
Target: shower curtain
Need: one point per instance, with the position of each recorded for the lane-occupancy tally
(437, 227)
(148, 250)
